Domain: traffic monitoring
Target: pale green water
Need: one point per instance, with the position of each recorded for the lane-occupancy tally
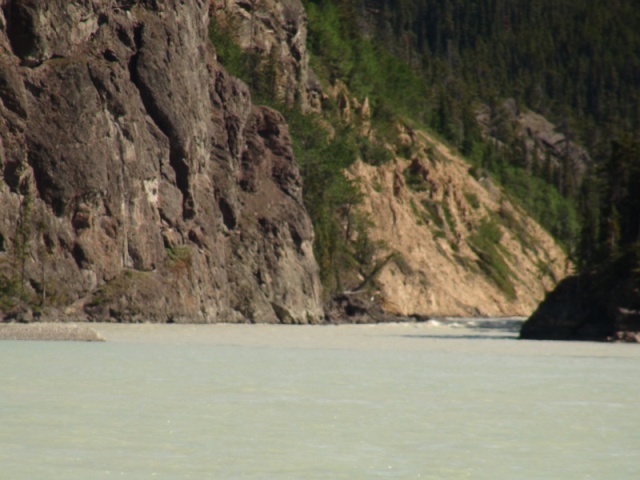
(260, 402)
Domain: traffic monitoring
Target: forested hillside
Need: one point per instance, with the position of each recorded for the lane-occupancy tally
(540, 98)
(396, 213)
(427, 135)
(576, 59)
(576, 62)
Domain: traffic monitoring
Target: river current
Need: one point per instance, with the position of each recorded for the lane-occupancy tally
(448, 400)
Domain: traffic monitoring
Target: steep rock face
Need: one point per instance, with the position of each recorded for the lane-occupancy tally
(461, 247)
(138, 180)
(603, 304)
(275, 31)
(541, 144)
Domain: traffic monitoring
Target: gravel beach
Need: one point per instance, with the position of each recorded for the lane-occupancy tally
(49, 331)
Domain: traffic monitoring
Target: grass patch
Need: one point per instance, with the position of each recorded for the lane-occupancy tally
(373, 153)
(405, 151)
(439, 234)
(432, 210)
(117, 287)
(466, 262)
(421, 218)
(472, 199)
(414, 181)
(179, 257)
(402, 264)
(519, 230)
(448, 217)
(485, 243)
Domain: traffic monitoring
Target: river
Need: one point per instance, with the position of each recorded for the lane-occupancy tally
(435, 400)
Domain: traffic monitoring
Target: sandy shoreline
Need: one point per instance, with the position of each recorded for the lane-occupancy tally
(49, 331)
(457, 336)
(348, 335)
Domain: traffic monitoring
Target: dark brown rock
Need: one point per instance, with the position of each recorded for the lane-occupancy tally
(359, 308)
(138, 180)
(602, 304)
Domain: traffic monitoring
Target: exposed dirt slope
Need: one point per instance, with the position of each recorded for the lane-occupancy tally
(463, 247)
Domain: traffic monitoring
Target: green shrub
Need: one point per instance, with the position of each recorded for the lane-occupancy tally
(258, 72)
(421, 216)
(432, 210)
(414, 180)
(178, 257)
(373, 153)
(472, 199)
(485, 243)
(402, 264)
(448, 216)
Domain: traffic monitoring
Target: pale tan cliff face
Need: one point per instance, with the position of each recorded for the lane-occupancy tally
(442, 273)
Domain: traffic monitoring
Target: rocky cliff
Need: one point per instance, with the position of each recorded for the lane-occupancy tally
(600, 304)
(275, 33)
(540, 144)
(138, 182)
(462, 247)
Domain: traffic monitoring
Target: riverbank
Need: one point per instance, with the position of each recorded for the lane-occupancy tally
(488, 336)
(49, 331)
(348, 335)
(449, 335)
